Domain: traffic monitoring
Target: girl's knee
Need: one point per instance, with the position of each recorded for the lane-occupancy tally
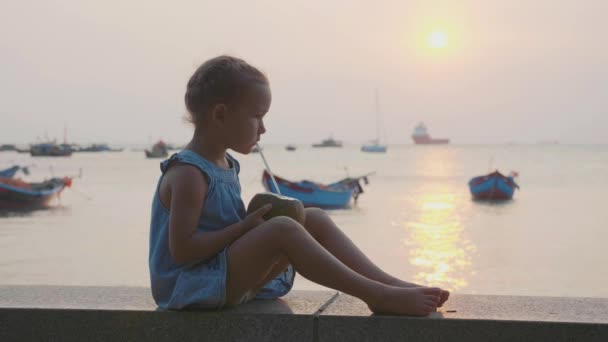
(313, 214)
(283, 225)
(316, 222)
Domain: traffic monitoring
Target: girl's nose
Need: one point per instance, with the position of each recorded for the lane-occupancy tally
(262, 128)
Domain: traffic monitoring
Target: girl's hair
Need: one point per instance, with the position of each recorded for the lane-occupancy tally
(219, 80)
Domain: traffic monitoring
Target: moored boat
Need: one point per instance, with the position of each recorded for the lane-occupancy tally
(329, 142)
(11, 171)
(16, 194)
(159, 150)
(373, 146)
(50, 149)
(493, 186)
(8, 147)
(331, 196)
(99, 148)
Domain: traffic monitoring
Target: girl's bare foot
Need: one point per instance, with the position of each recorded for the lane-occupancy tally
(416, 301)
(443, 297)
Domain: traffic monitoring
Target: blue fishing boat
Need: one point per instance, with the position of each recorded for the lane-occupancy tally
(10, 172)
(16, 194)
(331, 196)
(493, 186)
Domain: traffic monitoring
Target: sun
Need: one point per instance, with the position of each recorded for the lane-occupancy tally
(437, 40)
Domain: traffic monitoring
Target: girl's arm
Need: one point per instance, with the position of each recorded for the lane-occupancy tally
(188, 189)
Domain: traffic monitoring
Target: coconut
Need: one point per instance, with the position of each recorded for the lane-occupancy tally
(281, 206)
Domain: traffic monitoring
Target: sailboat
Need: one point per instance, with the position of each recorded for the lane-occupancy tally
(374, 145)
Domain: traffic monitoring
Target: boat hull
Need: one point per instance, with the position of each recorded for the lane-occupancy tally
(494, 186)
(326, 145)
(13, 197)
(311, 194)
(429, 141)
(156, 154)
(56, 153)
(50, 150)
(373, 148)
(10, 172)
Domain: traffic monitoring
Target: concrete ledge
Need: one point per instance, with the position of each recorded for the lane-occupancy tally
(51, 313)
(473, 318)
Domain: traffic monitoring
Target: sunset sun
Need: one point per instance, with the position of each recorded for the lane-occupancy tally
(437, 40)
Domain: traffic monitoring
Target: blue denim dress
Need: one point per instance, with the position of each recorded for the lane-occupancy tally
(201, 284)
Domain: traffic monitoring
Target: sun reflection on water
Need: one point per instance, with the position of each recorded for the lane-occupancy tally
(438, 250)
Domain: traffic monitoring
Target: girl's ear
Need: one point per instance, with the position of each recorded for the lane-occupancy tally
(218, 114)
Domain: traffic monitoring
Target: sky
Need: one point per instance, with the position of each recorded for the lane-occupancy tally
(115, 71)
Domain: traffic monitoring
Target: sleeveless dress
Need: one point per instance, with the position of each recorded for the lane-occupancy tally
(201, 284)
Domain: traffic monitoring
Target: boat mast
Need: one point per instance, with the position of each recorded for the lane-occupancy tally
(377, 116)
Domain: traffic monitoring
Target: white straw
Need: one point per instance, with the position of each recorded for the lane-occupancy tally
(274, 182)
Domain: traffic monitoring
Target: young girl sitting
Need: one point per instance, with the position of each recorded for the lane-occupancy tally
(205, 252)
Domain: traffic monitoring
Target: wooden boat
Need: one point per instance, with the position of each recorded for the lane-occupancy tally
(16, 194)
(331, 196)
(159, 150)
(493, 186)
(99, 148)
(329, 142)
(50, 150)
(11, 171)
(8, 147)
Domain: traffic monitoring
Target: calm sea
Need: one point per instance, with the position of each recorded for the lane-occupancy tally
(416, 218)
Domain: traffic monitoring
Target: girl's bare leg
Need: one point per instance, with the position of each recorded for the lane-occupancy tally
(252, 257)
(327, 233)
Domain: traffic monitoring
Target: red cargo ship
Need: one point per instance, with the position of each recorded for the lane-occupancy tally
(422, 137)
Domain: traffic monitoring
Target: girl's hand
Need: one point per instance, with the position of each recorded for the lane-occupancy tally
(255, 218)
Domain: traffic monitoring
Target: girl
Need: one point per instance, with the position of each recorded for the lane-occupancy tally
(206, 252)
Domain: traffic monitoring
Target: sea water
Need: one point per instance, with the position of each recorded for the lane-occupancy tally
(416, 219)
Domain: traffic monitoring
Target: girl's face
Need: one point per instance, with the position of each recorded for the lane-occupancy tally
(245, 122)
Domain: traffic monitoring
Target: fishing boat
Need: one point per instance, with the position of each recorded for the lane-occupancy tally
(99, 148)
(290, 147)
(8, 147)
(16, 194)
(374, 145)
(493, 186)
(50, 149)
(329, 142)
(421, 136)
(11, 171)
(159, 150)
(336, 195)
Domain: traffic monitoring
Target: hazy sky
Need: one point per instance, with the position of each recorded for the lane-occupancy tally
(115, 71)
